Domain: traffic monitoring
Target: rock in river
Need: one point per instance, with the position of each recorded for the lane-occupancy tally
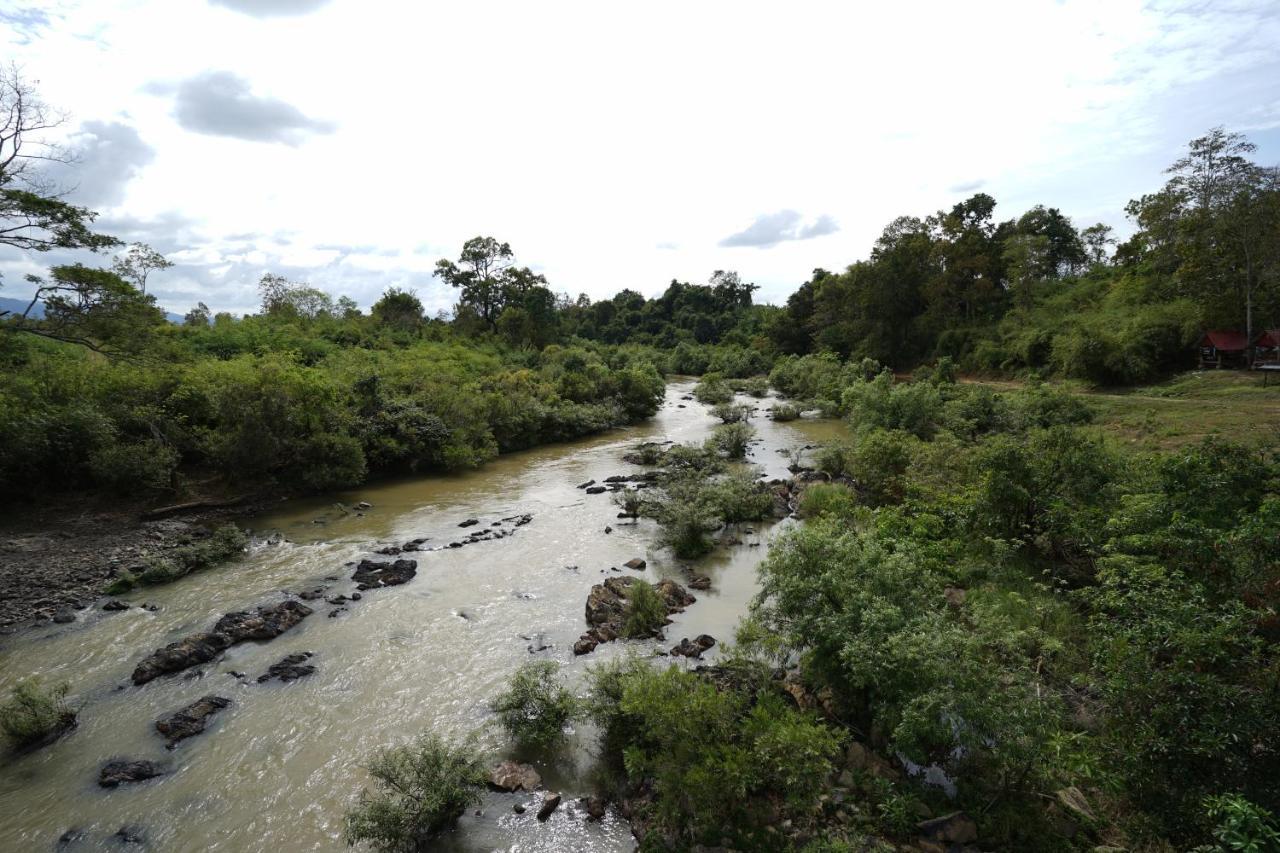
(514, 776)
(114, 773)
(694, 648)
(607, 609)
(266, 623)
(191, 720)
(289, 668)
(550, 802)
(372, 574)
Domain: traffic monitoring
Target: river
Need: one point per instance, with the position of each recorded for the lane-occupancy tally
(280, 767)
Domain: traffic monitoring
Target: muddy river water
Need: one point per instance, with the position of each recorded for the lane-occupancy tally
(279, 768)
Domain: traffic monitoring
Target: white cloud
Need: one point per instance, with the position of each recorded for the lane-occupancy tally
(617, 146)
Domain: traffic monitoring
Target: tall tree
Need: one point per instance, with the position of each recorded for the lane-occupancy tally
(33, 214)
(137, 262)
(487, 278)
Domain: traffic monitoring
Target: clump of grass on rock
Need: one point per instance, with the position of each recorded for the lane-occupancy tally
(646, 611)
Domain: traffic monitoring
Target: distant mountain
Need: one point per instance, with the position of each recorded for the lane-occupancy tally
(17, 306)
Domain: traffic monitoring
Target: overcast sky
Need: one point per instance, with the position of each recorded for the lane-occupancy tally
(352, 143)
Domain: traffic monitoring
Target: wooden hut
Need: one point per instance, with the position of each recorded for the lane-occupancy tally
(1224, 348)
(1266, 349)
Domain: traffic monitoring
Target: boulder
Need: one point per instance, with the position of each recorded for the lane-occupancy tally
(550, 802)
(606, 609)
(954, 828)
(115, 605)
(693, 648)
(700, 582)
(289, 668)
(266, 623)
(635, 564)
(514, 776)
(115, 773)
(597, 490)
(595, 807)
(64, 616)
(470, 522)
(191, 720)
(373, 574)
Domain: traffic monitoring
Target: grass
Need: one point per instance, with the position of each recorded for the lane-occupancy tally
(1187, 408)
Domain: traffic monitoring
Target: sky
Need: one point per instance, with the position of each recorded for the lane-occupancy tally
(353, 143)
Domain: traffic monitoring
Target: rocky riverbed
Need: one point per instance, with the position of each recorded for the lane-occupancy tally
(425, 647)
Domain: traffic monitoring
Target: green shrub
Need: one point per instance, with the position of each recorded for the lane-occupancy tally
(713, 390)
(833, 499)
(1241, 826)
(737, 497)
(878, 461)
(730, 413)
(646, 612)
(684, 459)
(32, 714)
(629, 501)
(134, 468)
(422, 789)
(782, 412)
(695, 745)
(536, 706)
(914, 407)
(833, 460)
(223, 544)
(733, 439)
(756, 386)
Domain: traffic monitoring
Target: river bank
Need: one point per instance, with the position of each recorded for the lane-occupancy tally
(278, 767)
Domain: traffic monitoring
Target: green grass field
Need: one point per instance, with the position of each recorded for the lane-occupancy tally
(1229, 403)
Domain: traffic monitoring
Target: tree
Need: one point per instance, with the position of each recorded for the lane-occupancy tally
(487, 277)
(401, 309)
(1028, 259)
(284, 298)
(197, 317)
(33, 216)
(94, 308)
(138, 262)
(1096, 240)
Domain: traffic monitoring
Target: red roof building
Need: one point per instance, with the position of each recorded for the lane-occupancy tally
(1270, 339)
(1221, 347)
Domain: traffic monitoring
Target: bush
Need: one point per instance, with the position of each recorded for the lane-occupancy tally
(646, 611)
(223, 544)
(737, 497)
(733, 439)
(914, 407)
(878, 461)
(422, 789)
(731, 414)
(833, 460)
(535, 707)
(712, 390)
(712, 757)
(833, 499)
(629, 502)
(33, 715)
(785, 412)
(756, 386)
(133, 468)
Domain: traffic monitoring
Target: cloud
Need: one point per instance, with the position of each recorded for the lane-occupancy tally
(219, 103)
(107, 155)
(967, 186)
(770, 229)
(272, 8)
(26, 23)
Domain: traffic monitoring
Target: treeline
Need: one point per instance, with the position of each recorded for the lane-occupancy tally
(1036, 293)
(312, 403)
